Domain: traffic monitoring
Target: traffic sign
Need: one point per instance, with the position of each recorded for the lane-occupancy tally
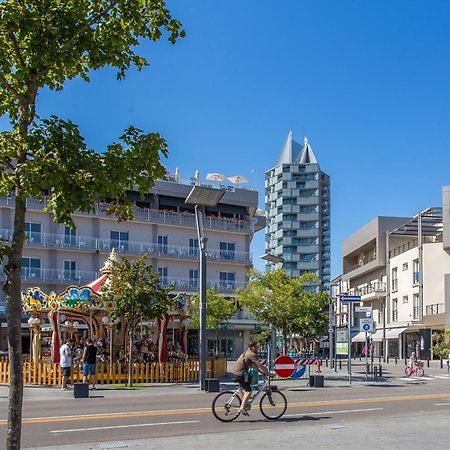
(364, 309)
(284, 366)
(350, 298)
(366, 325)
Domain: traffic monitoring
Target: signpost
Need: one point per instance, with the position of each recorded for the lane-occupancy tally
(350, 299)
(284, 366)
(366, 325)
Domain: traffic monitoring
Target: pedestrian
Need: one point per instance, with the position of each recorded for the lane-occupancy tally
(89, 360)
(65, 353)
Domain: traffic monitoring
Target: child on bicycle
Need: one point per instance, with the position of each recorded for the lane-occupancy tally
(248, 360)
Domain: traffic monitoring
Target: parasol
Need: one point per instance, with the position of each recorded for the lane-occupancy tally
(237, 179)
(215, 177)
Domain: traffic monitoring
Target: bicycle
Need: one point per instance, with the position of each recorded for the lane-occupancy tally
(226, 405)
(416, 370)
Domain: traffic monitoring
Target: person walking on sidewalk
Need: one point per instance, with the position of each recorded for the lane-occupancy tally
(89, 360)
(248, 360)
(65, 353)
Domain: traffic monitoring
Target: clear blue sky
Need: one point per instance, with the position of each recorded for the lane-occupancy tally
(367, 81)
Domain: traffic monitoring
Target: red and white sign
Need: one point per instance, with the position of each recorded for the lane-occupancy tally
(284, 366)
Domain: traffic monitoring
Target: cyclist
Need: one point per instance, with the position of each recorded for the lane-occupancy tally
(413, 362)
(248, 360)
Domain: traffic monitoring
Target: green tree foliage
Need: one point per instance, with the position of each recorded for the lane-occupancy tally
(219, 309)
(277, 299)
(442, 347)
(137, 294)
(43, 44)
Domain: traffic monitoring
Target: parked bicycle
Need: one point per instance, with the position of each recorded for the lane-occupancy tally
(272, 405)
(414, 370)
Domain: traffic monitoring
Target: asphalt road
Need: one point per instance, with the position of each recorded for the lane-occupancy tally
(180, 415)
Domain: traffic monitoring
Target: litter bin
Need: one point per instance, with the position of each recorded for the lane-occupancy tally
(311, 381)
(212, 385)
(81, 390)
(319, 381)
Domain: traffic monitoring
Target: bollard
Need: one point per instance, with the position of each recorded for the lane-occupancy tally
(387, 359)
(395, 360)
(326, 363)
(406, 362)
(375, 373)
(380, 370)
(441, 362)
(340, 364)
(428, 362)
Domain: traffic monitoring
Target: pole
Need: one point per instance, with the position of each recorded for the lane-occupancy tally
(110, 328)
(349, 320)
(330, 332)
(274, 346)
(367, 351)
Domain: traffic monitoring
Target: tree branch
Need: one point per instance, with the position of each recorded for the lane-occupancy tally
(17, 48)
(6, 85)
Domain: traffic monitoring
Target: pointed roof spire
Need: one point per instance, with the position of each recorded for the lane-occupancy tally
(290, 152)
(307, 156)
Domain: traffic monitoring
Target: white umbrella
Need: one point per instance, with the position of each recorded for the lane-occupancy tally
(237, 179)
(177, 174)
(215, 177)
(197, 177)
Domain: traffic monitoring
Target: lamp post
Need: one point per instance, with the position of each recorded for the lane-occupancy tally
(274, 260)
(332, 327)
(110, 324)
(201, 197)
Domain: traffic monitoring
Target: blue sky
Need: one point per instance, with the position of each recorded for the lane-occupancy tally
(368, 82)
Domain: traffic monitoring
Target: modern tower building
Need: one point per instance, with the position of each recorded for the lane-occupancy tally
(297, 197)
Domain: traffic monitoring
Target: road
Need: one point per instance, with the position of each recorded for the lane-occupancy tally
(395, 414)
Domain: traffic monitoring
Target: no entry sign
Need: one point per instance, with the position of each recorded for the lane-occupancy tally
(284, 366)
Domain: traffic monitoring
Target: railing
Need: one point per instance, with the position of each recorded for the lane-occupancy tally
(363, 262)
(52, 240)
(370, 288)
(50, 374)
(403, 248)
(437, 308)
(152, 216)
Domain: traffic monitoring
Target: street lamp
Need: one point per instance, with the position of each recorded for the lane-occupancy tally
(201, 197)
(274, 260)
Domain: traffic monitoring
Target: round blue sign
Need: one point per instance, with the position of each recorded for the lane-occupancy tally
(366, 327)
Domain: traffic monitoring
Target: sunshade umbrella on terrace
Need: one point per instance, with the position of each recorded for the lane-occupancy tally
(215, 177)
(237, 179)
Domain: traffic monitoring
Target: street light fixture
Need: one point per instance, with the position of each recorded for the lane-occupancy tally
(201, 197)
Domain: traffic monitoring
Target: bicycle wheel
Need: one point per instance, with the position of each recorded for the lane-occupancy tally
(407, 371)
(273, 405)
(420, 372)
(225, 406)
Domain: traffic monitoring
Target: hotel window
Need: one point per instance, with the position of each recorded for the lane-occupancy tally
(163, 275)
(162, 244)
(70, 236)
(416, 306)
(394, 280)
(33, 232)
(193, 247)
(394, 310)
(70, 268)
(227, 250)
(193, 278)
(31, 267)
(227, 280)
(119, 240)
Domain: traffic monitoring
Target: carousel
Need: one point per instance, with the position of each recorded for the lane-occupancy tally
(81, 312)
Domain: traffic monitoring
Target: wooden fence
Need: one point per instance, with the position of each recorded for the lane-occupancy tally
(50, 374)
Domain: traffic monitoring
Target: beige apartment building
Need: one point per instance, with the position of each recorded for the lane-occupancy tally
(164, 228)
(401, 267)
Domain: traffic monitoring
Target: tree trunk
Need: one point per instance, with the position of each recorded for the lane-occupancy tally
(217, 341)
(285, 340)
(12, 290)
(130, 357)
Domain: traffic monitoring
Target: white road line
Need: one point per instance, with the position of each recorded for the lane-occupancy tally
(124, 426)
(442, 377)
(117, 413)
(332, 412)
(442, 404)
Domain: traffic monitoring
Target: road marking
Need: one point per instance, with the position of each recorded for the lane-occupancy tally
(442, 377)
(442, 404)
(170, 412)
(332, 412)
(125, 426)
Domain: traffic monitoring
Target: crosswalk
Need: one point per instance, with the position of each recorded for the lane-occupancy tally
(425, 378)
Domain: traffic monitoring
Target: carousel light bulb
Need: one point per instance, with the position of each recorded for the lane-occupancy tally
(75, 324)
(62, 317)
(66, 323)
(105, 319)
(31, 321)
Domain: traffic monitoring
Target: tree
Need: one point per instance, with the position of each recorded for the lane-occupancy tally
(137, 294)
(44, 43)
(442, 347)
(277, 299)
(219, 309)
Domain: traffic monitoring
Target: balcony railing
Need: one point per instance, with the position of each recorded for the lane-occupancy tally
(129, 247)
(372, 288)
(363, 262)
(36, 275)
(437, 308)
(403, 248)
(152, 216)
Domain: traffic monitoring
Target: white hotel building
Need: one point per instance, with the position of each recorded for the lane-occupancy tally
(164, 227)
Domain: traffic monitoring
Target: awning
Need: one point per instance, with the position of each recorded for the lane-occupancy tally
(394, 333)
(378, 335)
(360, 337)
(98, 283)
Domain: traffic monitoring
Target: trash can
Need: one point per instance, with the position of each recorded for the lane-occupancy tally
(319, 381)
(81, 390)
(311, 381)
(212, 385)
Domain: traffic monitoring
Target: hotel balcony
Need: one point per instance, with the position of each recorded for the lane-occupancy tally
(148, 215)
(370, 292)
(104, 245)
